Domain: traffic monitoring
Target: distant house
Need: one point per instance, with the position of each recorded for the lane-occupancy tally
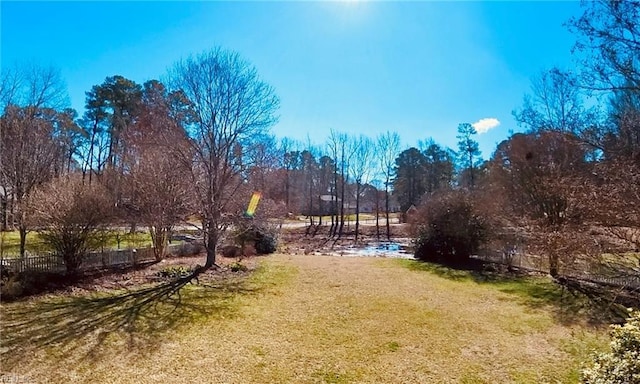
(410, 214)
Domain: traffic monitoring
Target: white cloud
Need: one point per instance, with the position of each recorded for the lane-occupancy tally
(484, 125)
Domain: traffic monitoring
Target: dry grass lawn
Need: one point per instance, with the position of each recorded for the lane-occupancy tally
(304, 319)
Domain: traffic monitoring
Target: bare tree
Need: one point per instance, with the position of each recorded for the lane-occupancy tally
(261, 159)
(388, 149)
(38, 87)
(161, 198)
(231, 104)
(157, 192)
(326, 170)
(344, 152)
(539, 177)
(28, 152)
(619, 137)
(360, 169)
(71, 215)
(609, 38)
(333, 145)
(612, 189)
(27, 146)
(556, 103)
(10, 86)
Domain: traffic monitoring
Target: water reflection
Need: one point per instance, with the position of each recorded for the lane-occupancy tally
(381, 249)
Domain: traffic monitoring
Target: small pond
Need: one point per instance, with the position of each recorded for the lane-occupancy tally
(378, 249)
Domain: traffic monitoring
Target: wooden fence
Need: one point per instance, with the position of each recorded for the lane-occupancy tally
(95, 260)
(579, 270)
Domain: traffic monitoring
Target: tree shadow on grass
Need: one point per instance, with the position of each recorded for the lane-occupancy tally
(569, 300)
(142, 317)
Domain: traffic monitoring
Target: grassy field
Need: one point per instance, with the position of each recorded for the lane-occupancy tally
(10, 242)
(303, 319)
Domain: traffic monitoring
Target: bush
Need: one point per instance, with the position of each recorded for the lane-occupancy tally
(174, 272)
(72, 216)
(16, 285)
(265, 243)
(238, 267)
(262, 238)
(230, 251)
(449, 229)
(11, 287)
(622, 364)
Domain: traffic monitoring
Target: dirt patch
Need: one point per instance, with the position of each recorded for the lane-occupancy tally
(129, 278)
(150, 273)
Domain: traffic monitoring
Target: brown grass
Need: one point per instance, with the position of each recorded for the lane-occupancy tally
(303, 319)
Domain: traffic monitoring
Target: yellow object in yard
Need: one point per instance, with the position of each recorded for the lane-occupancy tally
(253, 203)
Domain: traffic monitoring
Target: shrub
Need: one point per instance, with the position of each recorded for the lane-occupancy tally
(238, 267)
(17, 285)
(262, 238)
(11, 287)
(448, 229)
(72, 215)
(265, 243)
(174, 272)
(230, 251)
(622, 364)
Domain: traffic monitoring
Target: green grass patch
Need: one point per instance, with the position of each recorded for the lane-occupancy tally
(34, 245)
(537, 290)
(393, 346)
(437, 269)
(10, 244)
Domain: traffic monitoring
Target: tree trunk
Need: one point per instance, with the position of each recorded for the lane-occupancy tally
(320, 212)
(12, 214)
(334, 196)
(286, 188)
(471, 170)
(357, 209)
(554, 265)
(377, 214)
(386, 198)
(211, 242)
(4, 203)
(341, 229)
(159, 239)
(23, 239)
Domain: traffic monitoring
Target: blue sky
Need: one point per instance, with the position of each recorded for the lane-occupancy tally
(417, 68)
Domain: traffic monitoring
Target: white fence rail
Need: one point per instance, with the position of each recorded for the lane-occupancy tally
(95, 260)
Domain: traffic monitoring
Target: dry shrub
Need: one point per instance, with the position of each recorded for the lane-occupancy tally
(71, 215)
(449, 229)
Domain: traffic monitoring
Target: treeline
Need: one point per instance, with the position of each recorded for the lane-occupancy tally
(196, 145)
(153, 154)
(568, 186)
(197, 148)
